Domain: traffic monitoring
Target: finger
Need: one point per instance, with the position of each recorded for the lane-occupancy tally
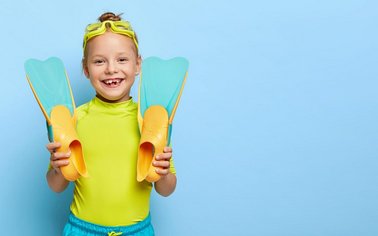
(162, 171)
(164, 156)
(53, 146)
(162, 164)
(60, 155)
(167, 149)
(60, 163)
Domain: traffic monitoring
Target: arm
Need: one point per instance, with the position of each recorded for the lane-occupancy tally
(166, 185)
(54, 176)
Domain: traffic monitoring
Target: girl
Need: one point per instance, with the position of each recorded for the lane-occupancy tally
(110, 201)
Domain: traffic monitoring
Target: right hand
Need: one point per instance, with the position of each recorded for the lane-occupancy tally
(57, 159)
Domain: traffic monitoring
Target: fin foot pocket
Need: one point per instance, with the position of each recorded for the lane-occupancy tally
(64, 132)
(152, 142)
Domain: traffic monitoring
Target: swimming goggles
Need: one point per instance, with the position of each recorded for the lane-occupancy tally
(118, 27)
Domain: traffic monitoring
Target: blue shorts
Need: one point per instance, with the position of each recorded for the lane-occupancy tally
(78, 227)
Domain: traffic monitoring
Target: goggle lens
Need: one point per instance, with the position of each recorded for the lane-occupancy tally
(120, 27)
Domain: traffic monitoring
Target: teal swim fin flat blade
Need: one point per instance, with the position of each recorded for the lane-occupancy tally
(160, 89)
(48, 80)
(162, 82)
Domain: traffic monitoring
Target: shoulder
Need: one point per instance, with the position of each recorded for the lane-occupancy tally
(134, 105)
(82, 110)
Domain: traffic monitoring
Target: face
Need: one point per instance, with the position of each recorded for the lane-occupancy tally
(111, 65)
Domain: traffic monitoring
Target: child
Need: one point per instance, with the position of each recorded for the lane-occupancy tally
(110, 201)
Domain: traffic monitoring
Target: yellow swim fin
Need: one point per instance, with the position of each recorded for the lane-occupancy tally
(51, 88)
(161, 85)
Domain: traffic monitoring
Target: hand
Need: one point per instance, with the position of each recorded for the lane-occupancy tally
(57, 159)
(162, 162)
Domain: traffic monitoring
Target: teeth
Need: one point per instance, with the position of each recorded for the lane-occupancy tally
(112, 81)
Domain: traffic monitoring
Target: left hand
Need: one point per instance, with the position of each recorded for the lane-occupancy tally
(162, 162)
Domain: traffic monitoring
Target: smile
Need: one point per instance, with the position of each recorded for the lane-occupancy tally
(112, 82)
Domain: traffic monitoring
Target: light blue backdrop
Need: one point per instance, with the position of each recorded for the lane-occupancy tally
(276, 133)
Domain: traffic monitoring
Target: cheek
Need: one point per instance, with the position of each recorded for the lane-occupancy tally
(93, 81)
(94, 71)
(129, 70)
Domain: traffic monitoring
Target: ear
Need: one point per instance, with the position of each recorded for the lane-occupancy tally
(138, 65)
(85, 68)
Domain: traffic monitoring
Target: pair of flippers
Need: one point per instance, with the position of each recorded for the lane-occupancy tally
(160, 89)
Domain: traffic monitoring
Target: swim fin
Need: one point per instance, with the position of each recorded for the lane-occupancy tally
(160, 88)
(51, 88)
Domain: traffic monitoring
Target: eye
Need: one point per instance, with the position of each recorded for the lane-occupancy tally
(123, 59)
(98, 61)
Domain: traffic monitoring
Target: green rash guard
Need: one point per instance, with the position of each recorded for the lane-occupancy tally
(111, 195)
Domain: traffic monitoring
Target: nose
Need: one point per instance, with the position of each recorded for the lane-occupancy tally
(111, 68)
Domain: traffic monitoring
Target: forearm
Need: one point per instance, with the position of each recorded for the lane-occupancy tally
(56, 181)
(166, 185)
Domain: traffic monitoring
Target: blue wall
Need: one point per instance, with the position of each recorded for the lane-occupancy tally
(276, 133)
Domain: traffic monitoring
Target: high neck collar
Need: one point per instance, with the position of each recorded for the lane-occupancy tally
(117, 107)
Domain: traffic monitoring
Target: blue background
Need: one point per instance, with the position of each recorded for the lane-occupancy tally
(276, 132)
